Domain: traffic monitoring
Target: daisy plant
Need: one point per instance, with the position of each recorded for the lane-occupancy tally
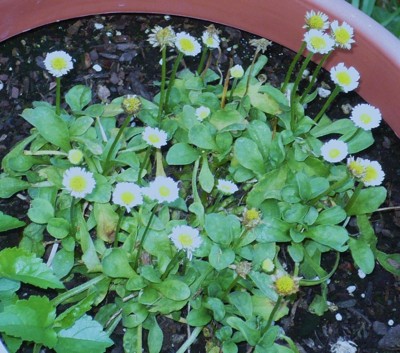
(212, 204)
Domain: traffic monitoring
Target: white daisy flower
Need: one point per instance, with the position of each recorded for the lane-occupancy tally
(356, 166)
(163, 189)
(373, 173)
(202, 112)
(186, 238)
(316, 20)
(334, 151)
(237, 71)
(318, 41)
(78, 182)
(127, 195)
(342, 34)
(187, 44)
(366, 116)
(227, 187)
(210, 39)
(75, 156)
(58, 63)
(162, 37)
(345, 78)
(154, 137)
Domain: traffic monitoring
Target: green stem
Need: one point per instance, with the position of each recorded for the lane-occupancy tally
(121, 216)
(173, 75)
(314, 76)
(144, 165)
(139, 339)
(202, 59)
(237, 242)
(354, 197)
(190, 340)
(232, 285)
(251, 71)
(292, 65)
(142, 239)
(294, 89)
(177, 257)
(290, 342)
(76, 290)
(45, 153)
(58, 95)
(271, 316)
(163, 78)
(114, 144)
(195, 192)
(234, 84)
(327, 104)
(36, 348)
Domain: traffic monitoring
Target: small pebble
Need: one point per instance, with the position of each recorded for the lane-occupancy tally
(351, 289)
(1, 85)
(361, 273)
(167, 18)
(97, 68)
(390, 322)
(339, 317)
(323, 93)
(362, 295)
(98, 26)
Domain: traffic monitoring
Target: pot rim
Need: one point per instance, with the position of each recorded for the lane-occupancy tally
(375, 54)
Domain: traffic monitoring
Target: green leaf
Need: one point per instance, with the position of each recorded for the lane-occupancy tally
(155, 337)
(116, 264)
(202, 136)
(261, 134)
(222, 119)
(390, 262)
(8, 222)
(49, 125)
(318, 306)
(80, 126)
(333, 215)
(368, 201)
(174, 289)
(41, 211)
(198, 317)
(9, 186)
(106, 221)
(333, 236)
(362, 254)
(181, 154)
(221, 258)
(102, 191)
(217, 306)
(19, 265)
(206, 178)
(31, 320)
(247, 153)
(243, 303)
(78, 97)
(341, 126)
(360, 141)
(58, 227)
(133, 314)
(250, 334)
(85, 336)
(222, 228)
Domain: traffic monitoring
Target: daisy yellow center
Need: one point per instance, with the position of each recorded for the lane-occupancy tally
(356, 168)
(316, 22)
(210, 41)
(370, 174)
(164, 191)
(318, 42)
(365, 118)
(187, 45)
(285, 285)
(344, 78)
(127, 197)
(203, 114)
(58, 63)
(252, 215)
(334, 153)
(163, 35)
(78, 183)
(226, 188)
(185, 239)
(342, 36)
(153, 138)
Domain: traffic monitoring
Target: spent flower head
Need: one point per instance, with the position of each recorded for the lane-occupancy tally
(237, 71)
(373, 174)
(316, 20)
(162, 37)
(162, 189)
(366, 116)
(154, 137)
(127, 195)
(78, 182)
(251, 217)
(286, 284)
(185, 238)
(202, 113)
(342, 34)
(187, 44)
(210, 37)
(318, 41)
(334, 151)
(131, 104)
(227, 187)
(346, 78)
(261, 44)
(58, 63)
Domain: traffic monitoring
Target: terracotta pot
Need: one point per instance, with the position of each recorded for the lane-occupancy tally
(376, 54)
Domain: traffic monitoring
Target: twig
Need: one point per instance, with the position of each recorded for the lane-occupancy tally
(391, 208)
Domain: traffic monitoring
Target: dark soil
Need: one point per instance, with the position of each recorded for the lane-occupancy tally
(370, 315)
